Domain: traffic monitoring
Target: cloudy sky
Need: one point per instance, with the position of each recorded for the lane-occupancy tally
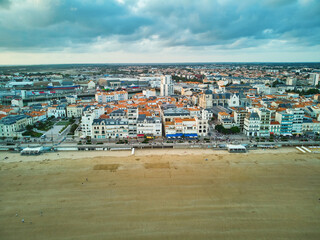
(151, 31)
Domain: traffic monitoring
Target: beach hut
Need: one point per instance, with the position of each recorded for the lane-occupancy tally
(237, 149)
(31, 151)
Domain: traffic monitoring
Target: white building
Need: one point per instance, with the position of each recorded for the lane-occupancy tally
(71, 99)
(179, 128)
(149, 93)
(234, 101)
(297, 121)
(275, 128)
(57, 111)
(104, 97)
(291, 81)
(89, 114)
(17, 102)
(74, 111)
(252, 125)
(149, 126)
(166, 87)
(110, 128)
(14, 125)
(132, 115)
(202, 126)
(265, 119)
(314, 79)
(91, 85)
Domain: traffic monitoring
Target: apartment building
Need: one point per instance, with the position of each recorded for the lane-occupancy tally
(202, 126)
(14, 125)
(104, 97)
(265, 119)
(57, 111)
(110, 129)
(132, 115)
(179, 128)
(239, 116)
(166, 87)
(151, 126)
(286, 120)
(74, 111)
(89, 114)
(252, 125)
(297, 120)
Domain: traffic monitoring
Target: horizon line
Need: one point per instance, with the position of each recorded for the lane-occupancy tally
(151, 63)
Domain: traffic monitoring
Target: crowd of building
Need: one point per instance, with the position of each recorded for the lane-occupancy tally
(180, 110)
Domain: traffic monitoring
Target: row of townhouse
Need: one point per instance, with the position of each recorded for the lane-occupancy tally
(119, 124)
(63, 110)
(263, 122)
(123, 123)
(119, 128)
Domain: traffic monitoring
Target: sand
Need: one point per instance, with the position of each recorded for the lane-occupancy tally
(160, 194)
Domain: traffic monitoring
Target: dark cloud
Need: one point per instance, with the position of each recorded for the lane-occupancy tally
(5, 3)
(222, 23)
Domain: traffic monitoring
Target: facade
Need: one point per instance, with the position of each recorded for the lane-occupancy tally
(14, 125)
(132, 115)
(17, 102)
(275, 128)
(234, 101)
(57, 111)
(170, 114)
(119, 113)
(202, 127)
(297, 120)
(71, 99)
(180, 128)
(310, 126)
(105, 97)
(206, 99)
(89, 114)
(91, 85)
(166, 87)
(149, 93)
(151, 126)
(265, 119)
(286, 121)
(314, 78)
(239, 116)
(207, 114)
(110, 129)
(221, 99)
(291, 81)
(74, 111)
(252, 125)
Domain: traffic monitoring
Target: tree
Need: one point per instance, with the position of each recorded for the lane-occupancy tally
(235, 129)
(219, 128)
(29, 127)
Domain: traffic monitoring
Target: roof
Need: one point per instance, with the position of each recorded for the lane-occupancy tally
(110, 122)
(254, 115)
(11, 119)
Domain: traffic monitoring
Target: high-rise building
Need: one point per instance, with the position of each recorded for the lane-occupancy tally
(132, 114)
(166, 87)
(314, 78)
(291, 81)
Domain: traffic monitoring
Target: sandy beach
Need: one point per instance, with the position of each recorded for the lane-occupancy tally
(160, 194)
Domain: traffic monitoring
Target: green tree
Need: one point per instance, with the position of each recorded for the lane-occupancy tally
(29, 128)
(235, 129)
